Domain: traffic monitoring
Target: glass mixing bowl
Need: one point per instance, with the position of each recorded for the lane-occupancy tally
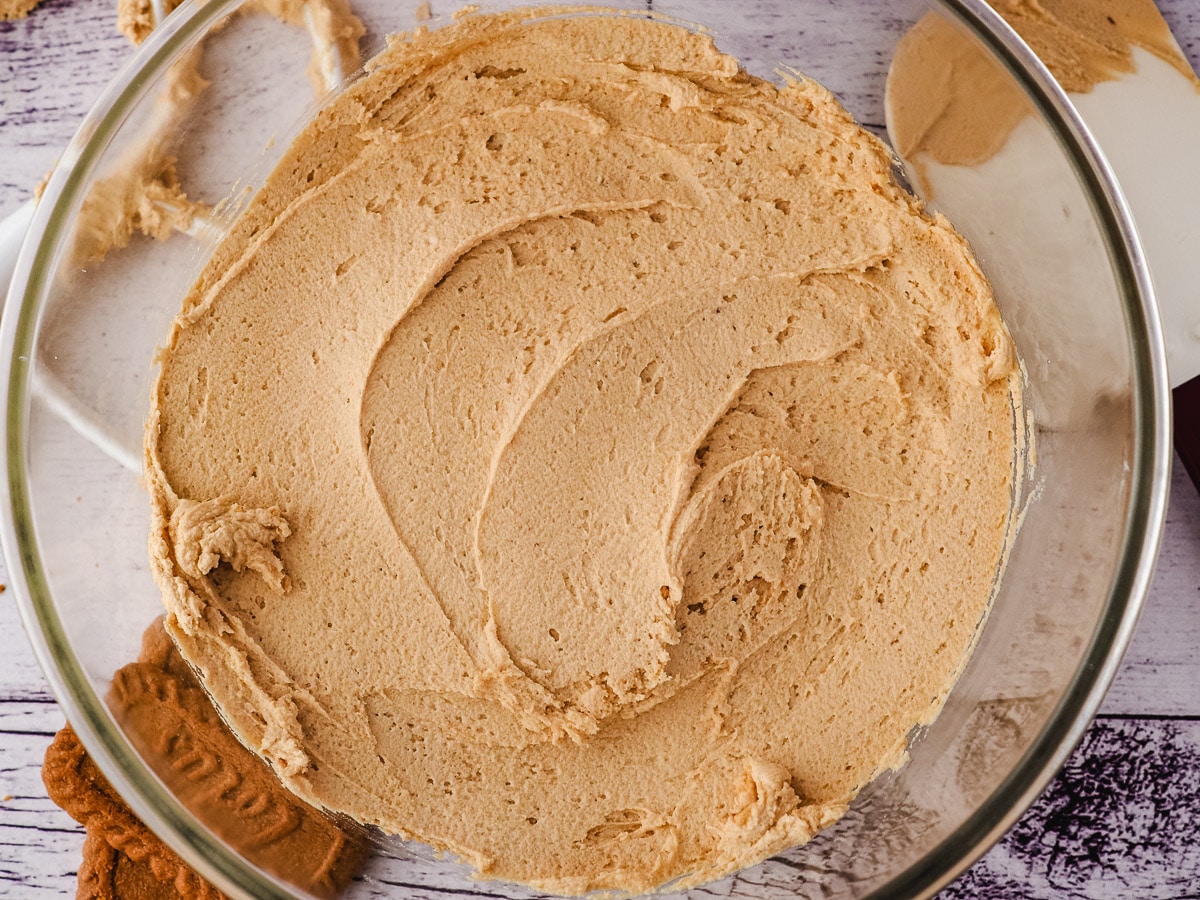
(78, 339)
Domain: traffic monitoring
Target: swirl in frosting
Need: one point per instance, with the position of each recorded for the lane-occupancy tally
(582, 456)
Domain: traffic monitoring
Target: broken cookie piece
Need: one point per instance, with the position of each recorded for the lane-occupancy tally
(170, 720)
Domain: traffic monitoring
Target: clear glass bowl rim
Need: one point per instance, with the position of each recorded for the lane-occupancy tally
(149, 799)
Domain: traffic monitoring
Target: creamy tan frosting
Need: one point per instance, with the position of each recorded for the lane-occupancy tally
(951, 99)
(948, 97)
(582, 456)
(142, 194)
(1085, 42)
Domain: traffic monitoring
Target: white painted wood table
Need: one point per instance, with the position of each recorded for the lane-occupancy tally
(1121, 821)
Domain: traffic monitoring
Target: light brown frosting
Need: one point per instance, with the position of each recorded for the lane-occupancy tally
(1085, 42)
(607, 463)
(946, 96)
(951, 99)
(142, 193)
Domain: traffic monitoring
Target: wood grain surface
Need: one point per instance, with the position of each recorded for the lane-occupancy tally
(1119, 822)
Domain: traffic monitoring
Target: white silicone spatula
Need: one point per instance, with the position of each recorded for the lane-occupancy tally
(1147, 122)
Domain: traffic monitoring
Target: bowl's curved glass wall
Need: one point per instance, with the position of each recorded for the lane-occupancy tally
(88, 328)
